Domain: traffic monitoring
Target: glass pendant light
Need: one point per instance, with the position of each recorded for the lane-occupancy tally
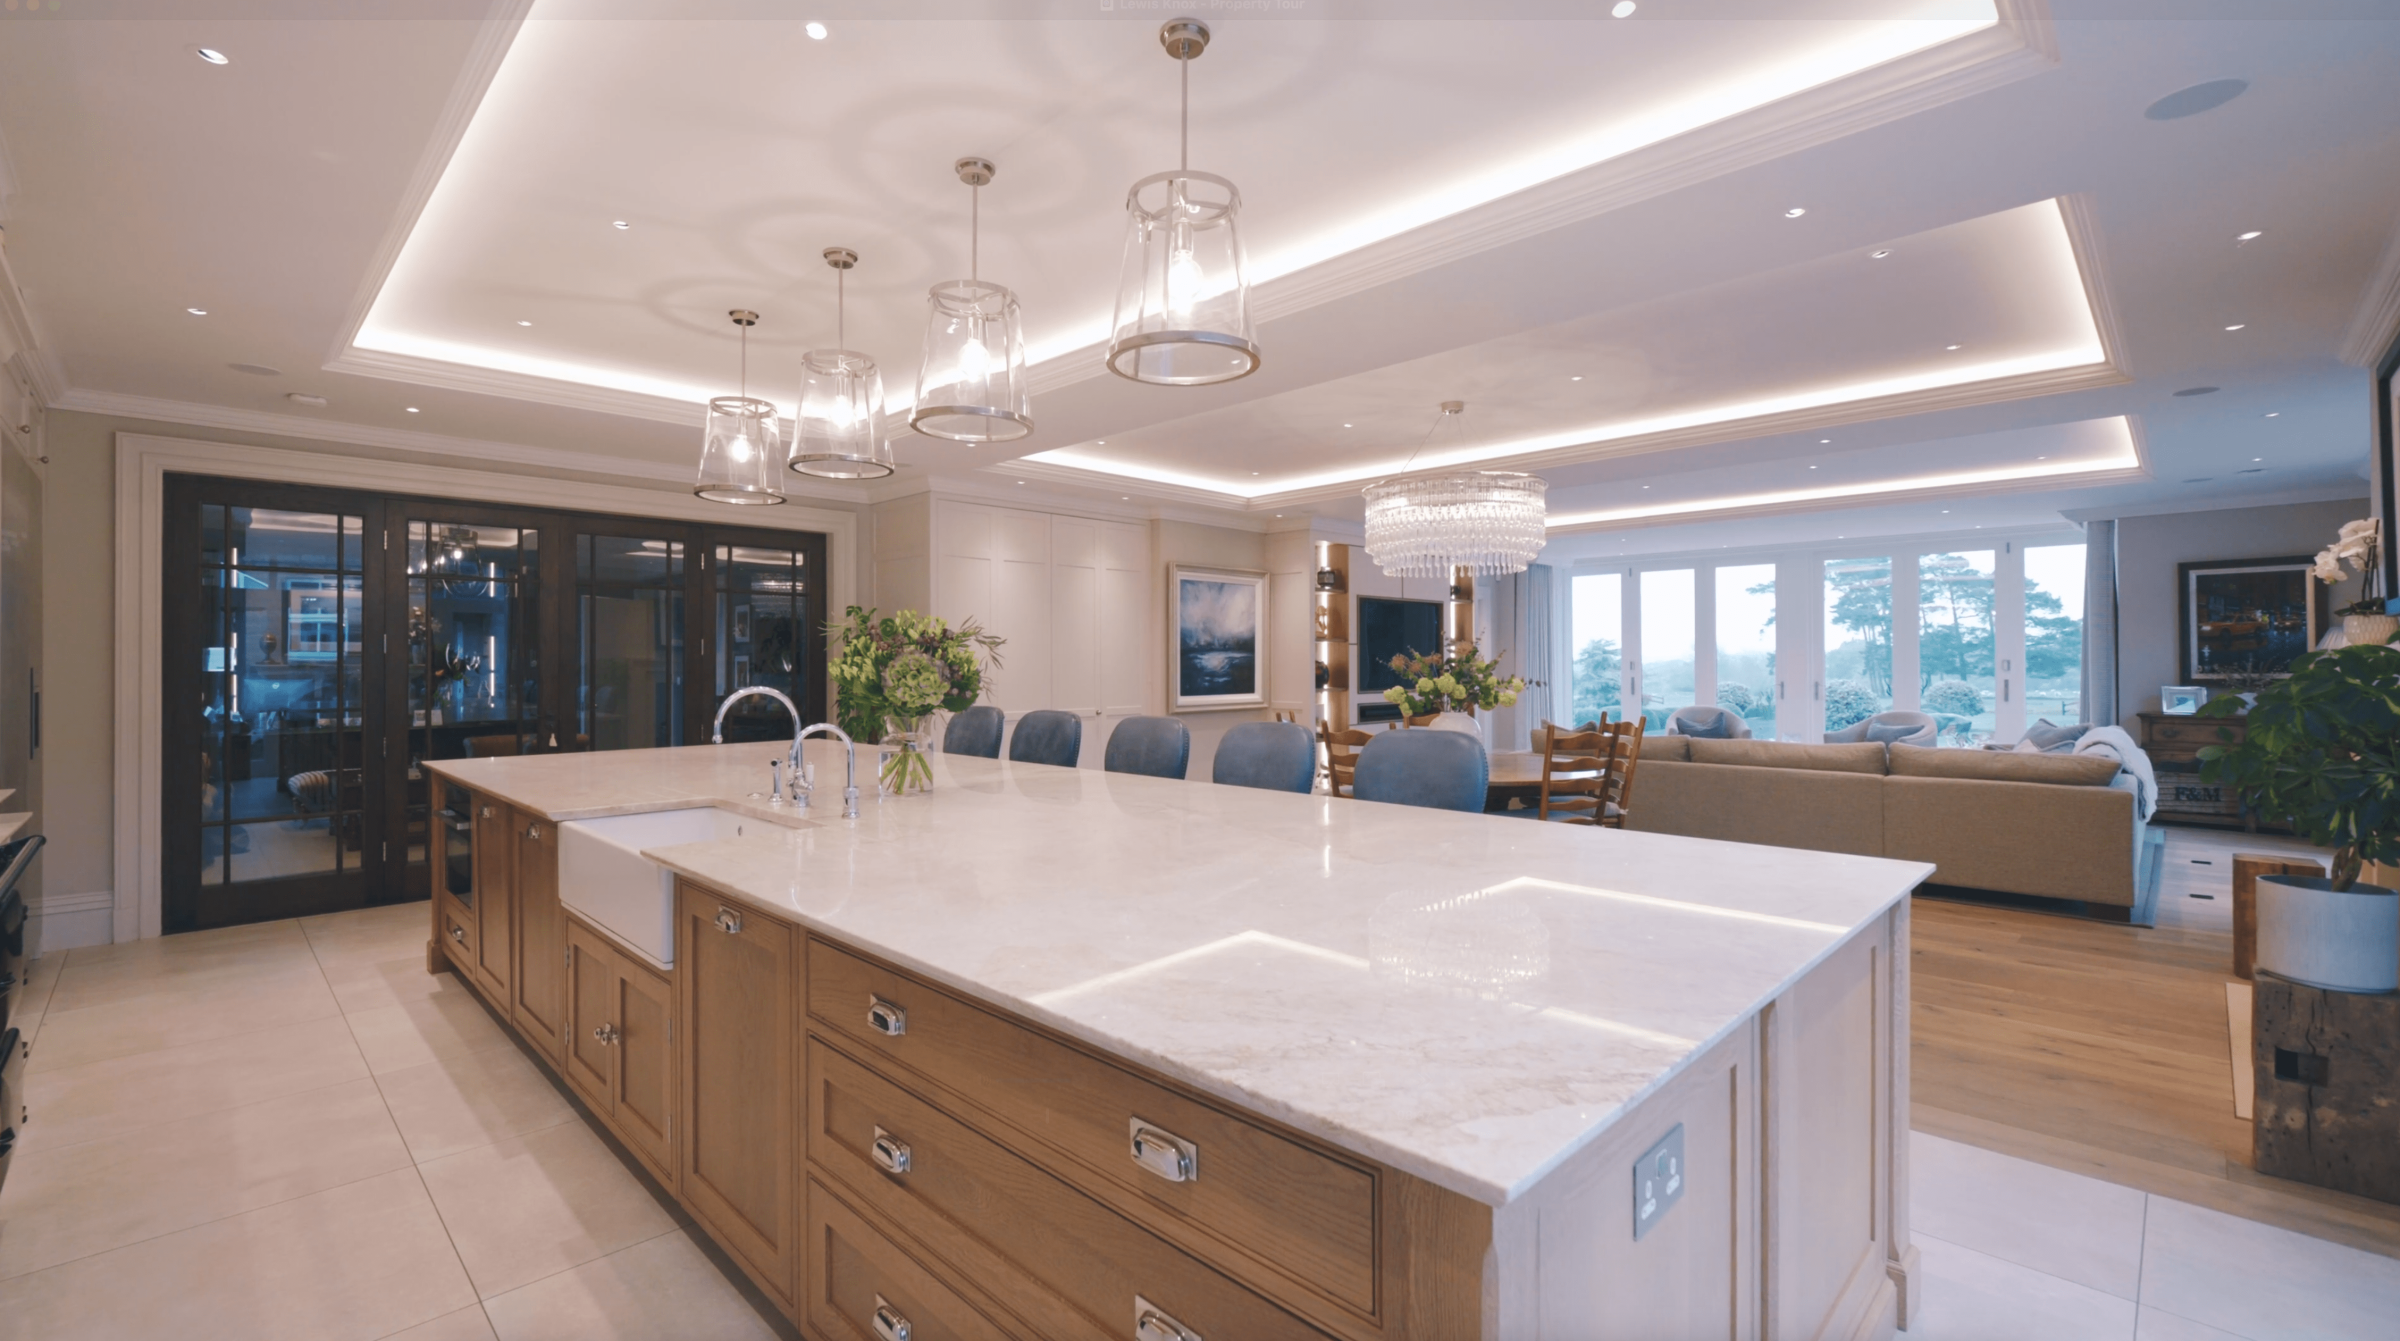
(1183, 297)
(1432, 524)
(971, 386)
(741, 456)
(837, 434)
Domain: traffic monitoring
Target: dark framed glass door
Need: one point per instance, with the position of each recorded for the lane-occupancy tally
(764, 595)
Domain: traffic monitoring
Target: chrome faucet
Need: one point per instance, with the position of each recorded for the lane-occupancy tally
(850, 773)
(717, 736)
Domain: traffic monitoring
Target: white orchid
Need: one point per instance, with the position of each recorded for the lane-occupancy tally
(2368, 527)
(2329, 568)
(2357, 544)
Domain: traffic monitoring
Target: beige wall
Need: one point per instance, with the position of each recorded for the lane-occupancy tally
(2149, 548)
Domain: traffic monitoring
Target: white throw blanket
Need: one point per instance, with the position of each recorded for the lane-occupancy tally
(2114, 742)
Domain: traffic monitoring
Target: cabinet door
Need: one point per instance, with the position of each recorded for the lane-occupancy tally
(591, 986)
(740, 1102)
(495, 871)
(539, 1001)
(645, 1094)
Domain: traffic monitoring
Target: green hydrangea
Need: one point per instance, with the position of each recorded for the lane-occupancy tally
(913, 685)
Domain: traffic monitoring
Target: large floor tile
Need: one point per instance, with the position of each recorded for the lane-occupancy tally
(460, 1102)
(449, 1023)
(190, 944)
(367, 984)
(532, 1206)
(82, 985)
(174, 1085)
(2160, 1325)
(1972, 1296)
(662, 1290)
(2073, 1227)
(173, 1018)
(353, 1263)
(370, 933)
(72, 1201)
(2257, 1280)
(468, 1324)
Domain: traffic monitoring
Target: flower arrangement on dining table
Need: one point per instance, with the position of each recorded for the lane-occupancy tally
(896, 670)
(1455, 683)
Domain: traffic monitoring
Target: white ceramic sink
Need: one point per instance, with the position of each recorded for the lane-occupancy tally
(603, 875)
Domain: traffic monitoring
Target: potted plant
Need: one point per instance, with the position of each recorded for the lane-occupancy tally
(892, 673)
(1451, 686)
(2365, 619)
(2322, 750)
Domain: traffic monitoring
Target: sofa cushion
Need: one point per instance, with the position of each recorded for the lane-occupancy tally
(2069, 770)
(2016, 838)
(1779, 807)
(1674, 749)
(1884, 733)
(1859, 758)
(2045, 736)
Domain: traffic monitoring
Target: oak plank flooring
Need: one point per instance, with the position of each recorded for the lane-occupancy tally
(2102, 1049)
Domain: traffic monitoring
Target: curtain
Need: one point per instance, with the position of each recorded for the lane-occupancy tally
(2100, 623)
(1520, 627)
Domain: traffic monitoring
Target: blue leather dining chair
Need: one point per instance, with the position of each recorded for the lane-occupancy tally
(1157, 747)
(1445, 770)
(975, 731)
(1277, 756)
(1047, 736)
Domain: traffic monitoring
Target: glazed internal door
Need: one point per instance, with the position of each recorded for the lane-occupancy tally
(768, 628)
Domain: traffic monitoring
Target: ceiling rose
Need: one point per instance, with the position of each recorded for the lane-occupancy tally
(742, 447)
(837, 433)
(1432, 524)
(971, 386)
(1183, 297)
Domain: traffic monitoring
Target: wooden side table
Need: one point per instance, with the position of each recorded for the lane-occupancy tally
(2327, 1081)
(2247, 868)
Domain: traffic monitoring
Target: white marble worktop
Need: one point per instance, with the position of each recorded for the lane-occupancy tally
(1468, 998)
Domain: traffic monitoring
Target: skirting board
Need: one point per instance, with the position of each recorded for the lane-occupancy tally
(70, 921)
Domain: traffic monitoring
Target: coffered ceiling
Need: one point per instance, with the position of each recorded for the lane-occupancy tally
(1583, 227)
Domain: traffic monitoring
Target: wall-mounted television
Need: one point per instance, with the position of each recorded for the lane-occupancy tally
(1388, 627)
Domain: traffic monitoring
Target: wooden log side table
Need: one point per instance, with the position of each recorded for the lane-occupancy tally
(2326, 1068)
(2247, 868)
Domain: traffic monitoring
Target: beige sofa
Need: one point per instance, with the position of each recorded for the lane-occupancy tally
(2045, 825)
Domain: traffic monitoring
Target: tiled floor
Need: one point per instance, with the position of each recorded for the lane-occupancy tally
(292, 1130)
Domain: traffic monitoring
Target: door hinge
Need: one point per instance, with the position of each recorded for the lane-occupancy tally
(387, 539)
(387, 644)
(387, 851)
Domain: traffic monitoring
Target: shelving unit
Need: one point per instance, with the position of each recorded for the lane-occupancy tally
(1332, 615)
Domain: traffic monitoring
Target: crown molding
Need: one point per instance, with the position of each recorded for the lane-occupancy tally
(2085, 240)
(2375, 327)
(480, 453)
(2067, 480)
(2326, 493)
(414, 371)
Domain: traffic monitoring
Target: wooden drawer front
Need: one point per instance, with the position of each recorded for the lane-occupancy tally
(456, 928)
(853, 1270)
(741, 1100)
(1281, 1204)
(1005, 1222)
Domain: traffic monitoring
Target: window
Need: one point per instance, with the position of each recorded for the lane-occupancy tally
(2054, 633)
(1746, 645)
(1669, 660)
(1596, 629)
(1858, 640)
(1956, 657)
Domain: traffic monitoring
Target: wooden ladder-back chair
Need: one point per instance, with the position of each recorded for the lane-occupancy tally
(1587, 776)
(1341, 756)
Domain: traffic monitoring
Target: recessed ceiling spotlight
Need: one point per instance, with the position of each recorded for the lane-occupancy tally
(1945, 512)
(1345, 426)
(1812, 467)
(622, 223)
(2196, 391)
(411, 409)
(256, 369)
(1952, 347)
(2252, 235)
(524, 323)
(1020, 481)
(303, 398)
(2272, 413)
(212, 55)
(1571, 379)
(1879, 253)
(1623, 9)
(1794, 212)
(2198, 98)
(197, 311)
(1254, 474)
(1824, 441)
(815, 31)
(1645, 486)
(2237, 325)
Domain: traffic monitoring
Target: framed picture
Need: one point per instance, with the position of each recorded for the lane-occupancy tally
(2181, 700)
(1217, 632)
(2249, 616)
(741, 623)
(741, 670)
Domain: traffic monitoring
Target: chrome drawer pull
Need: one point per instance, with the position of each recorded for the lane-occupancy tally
(889, 1325)
(891, 1153)
(487, 812)
(458, 933)
(729, 921)
(1169, 1156)
(534, 832)
(1149, 1324)
(885, 1017)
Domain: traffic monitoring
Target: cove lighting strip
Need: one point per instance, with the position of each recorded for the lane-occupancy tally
(2121, 457)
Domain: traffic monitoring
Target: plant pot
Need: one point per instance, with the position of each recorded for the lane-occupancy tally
(1461, 722)
(2370, 630)
(2342, 942)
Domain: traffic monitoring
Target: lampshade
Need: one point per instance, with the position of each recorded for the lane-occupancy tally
(837, 434)
(741, 448)
(1435, 522)
(971, 384)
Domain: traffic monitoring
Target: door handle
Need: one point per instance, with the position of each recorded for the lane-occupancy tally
(886, 1018)
(729, 921)
(534, 832)
(458, 933)
(606, 1034)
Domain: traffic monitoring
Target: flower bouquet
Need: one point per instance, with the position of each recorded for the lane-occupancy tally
(894, 672)
(1455, 683)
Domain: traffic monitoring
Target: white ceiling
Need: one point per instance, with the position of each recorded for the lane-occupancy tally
(1479, 210)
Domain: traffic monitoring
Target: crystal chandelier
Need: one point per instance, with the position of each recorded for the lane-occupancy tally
(837, 434)
(1183, 300)
(971, 386)
(741, 452)
(1432, 524)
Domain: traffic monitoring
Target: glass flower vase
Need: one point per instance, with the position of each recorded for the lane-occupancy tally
(907, 757)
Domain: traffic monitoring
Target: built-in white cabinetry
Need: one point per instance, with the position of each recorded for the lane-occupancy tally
(1072, 595)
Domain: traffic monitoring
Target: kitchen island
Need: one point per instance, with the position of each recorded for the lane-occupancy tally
(1051, 1053)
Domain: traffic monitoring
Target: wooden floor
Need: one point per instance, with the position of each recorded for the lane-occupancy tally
(2103, 1049)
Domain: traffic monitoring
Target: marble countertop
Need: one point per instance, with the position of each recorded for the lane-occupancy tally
(1467, 998)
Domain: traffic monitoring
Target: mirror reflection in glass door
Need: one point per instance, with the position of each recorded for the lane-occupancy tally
(765, 609)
